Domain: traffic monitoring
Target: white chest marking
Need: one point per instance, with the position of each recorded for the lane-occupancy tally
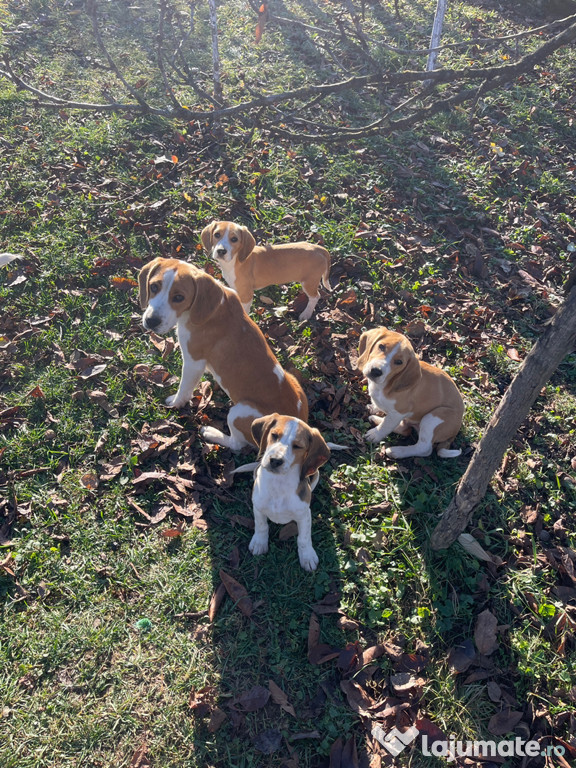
(277, 495)
(228, 272)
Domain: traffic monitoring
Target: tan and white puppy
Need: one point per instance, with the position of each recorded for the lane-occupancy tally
(411, 394)
(216, 335)
(247, 267)
(290, 454)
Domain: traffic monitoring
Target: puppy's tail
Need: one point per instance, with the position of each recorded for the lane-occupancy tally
(336, 447)
(446, 453)
(326, 275)
(252, 467)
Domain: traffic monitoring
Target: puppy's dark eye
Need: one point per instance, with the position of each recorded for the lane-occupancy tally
(275, 436)
(398, 361)
(382, 347)
(297, 447)
(234, 239)
(217, 235)
(154, 288)
(178, 298)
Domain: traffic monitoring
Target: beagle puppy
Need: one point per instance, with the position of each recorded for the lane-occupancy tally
(247, 267)
(216, 335)
(291, 453)
(410, 393)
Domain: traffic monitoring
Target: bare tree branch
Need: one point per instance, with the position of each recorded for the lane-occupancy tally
(294, 106)
(92, 11)
(160, 56)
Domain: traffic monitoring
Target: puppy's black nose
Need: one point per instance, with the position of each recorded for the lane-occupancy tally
(220, 251)
(152, 322)
(275, 463)
(374, 373)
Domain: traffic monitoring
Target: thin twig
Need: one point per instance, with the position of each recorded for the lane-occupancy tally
(92, 11)
(160, 56)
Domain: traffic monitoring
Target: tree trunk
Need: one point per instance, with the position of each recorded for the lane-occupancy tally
(436, 34)
(216, 69)
(556, 342)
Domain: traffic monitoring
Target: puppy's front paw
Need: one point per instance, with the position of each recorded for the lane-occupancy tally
(258, 545)
(374, 435)
(175, 402)
(308, 559)
(395, 453)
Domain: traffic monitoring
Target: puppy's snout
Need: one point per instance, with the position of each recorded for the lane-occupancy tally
(220, 251)
(374, 373)
(275, 463)
(151, 322)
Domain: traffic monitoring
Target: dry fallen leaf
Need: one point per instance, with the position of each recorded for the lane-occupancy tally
(254, 699)
(238, 593)
(216, 719)
(280, 698)
(90, 481)
(485, 633)
(313, 631)
(216, 601)
(140, 758)
(504, 722)
(171, 533)
(461, 657)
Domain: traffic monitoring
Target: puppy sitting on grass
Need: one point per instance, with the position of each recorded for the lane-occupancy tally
(291, 453)
(411, 394)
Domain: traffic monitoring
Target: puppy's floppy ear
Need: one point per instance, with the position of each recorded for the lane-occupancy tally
(207, 295)
(247, 244)
(145, 274)
(367, 341)
(410, 374)
(206, 236)
(260, 429)
(318, 454)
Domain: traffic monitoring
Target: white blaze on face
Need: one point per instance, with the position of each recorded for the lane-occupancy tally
(159, 307)
(282, 448)
(382, 363)
(223, 242)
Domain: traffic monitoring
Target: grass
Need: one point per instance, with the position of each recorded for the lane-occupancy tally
(83, 681)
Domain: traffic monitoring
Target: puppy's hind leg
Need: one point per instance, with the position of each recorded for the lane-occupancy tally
(310, 307)
(240, 417)
(425, 440)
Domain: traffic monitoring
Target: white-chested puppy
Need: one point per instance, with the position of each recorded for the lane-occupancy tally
(290, 454)
(217, 336)
(411, 394)
(247, 267)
